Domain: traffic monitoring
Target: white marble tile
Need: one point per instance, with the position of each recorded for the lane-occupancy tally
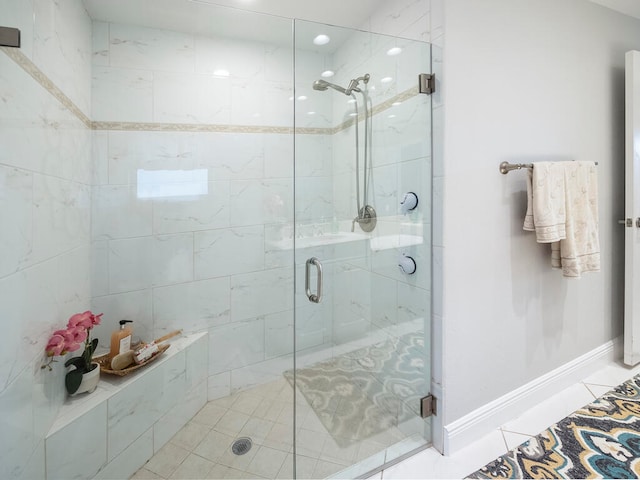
(100, 43)
(122, 95)
(197, 361)
(117, 213)
(73, 290)
(130, 264)
(129, 152)
(132, 411)
(32, 322)
(136, 306)
(16, 203)
(278, 334)
(139, 47)
(100, 157)
(598, 390)
(259, 293)
(242, 59)
(192, 306)
(172, 259)
(278, 245)
(236, 345)
(612, 375)
(62, 48)
(177, 417)
(130, 460)
(552, 410)
(228, 251)
(219, 385)
(85, 458)
(384, 301)
(35, 467)
(248, 102)
(254, 202)
(316, 199)
(191, 98)
(278, 155)
(277, 104)
(514, 440)
(193, 213)
(431, 464)
(231, 155)
(61, 217)
(19, 14)
(18, 440)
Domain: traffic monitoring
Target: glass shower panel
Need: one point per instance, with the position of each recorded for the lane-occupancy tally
(362, 210)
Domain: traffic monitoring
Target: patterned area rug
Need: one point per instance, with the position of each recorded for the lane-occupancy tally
(365, 392)
(601, 440)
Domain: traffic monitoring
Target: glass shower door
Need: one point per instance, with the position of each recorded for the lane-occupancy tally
(362, 241)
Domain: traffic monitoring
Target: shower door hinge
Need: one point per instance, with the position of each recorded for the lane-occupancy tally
(9, 37)
(427, 406)
(427, 83)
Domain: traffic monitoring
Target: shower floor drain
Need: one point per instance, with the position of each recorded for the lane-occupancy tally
(241, 446)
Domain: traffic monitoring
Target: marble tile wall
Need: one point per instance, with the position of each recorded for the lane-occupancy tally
(45, 177)
(192, 229)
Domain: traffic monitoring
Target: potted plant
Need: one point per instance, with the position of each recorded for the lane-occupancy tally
(85, 374)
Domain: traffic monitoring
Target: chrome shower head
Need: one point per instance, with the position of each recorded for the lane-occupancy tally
(322, 85)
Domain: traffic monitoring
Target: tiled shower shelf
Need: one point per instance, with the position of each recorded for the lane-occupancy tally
(109, 385)
(137, 413)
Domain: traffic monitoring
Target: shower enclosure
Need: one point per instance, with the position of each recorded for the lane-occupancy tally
(261, 180)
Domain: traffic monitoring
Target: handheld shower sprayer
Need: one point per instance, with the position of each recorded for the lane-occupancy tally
(366, 216)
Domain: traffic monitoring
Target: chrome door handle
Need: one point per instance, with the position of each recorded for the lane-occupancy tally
(315, 298)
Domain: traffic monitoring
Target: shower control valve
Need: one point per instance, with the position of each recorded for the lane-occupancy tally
(409, 202)
(407, 264)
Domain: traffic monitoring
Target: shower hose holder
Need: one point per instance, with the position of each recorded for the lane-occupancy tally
(367, 219)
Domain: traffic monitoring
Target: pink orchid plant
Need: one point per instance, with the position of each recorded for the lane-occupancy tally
(77, 334)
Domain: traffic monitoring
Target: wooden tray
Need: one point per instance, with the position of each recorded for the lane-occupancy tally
(105, 362)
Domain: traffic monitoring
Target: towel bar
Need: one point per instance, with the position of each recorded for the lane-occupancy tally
(506, 167)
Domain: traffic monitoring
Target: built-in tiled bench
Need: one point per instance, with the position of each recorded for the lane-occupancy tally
(113, 431)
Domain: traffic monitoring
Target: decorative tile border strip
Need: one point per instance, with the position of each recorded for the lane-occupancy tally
(28, 66)
(201, 127)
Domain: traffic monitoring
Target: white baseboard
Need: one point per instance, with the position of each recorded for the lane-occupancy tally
(487, 418)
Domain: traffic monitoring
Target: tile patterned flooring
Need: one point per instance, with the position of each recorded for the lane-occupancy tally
(200, 450)
(429, 464)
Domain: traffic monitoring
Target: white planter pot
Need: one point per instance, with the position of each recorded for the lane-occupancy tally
(89, 381)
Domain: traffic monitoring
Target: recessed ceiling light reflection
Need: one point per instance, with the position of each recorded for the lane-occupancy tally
(311, 113)
(391, 116)
(302, 97)
(394, 51)
(327, 74)
(395, 104)
(351, 101)
(290, 99)
(386, 80)
(221, 72)
(352, 114)
(321, 39)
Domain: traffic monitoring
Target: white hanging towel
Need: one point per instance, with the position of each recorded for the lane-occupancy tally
(562, 208)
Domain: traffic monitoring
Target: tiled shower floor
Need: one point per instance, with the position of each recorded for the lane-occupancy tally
(202, 449)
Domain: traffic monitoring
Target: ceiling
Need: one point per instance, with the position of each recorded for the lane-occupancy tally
(627, 7)
(233, 18)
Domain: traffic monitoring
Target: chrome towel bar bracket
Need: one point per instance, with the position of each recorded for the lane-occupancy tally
(506, 167)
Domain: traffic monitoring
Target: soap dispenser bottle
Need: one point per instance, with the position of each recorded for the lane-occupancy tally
(121, 339)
